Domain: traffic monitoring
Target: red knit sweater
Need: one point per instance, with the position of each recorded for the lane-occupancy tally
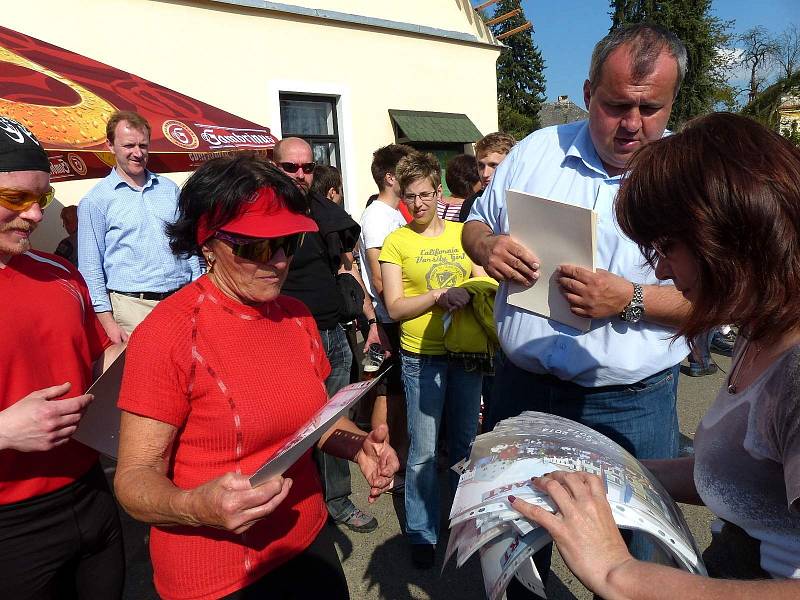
(236, 381)
(50, 335)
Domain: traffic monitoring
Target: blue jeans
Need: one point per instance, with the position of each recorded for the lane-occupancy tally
(335, 472)
(641, 417)
(702, 348)
(434, 384)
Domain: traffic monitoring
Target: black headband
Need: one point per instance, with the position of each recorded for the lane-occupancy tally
(19, 149)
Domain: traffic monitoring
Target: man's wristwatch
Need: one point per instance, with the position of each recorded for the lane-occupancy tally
(372, 321)
(634, 312)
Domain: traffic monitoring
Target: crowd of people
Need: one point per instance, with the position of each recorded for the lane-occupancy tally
(238, 296)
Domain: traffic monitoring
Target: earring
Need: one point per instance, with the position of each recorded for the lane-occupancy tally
(210, 260)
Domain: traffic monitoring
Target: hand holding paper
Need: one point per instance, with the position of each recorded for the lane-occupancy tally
(231, 503)
(506, 259)
(40, 421)
(378, 462)
(594, 294)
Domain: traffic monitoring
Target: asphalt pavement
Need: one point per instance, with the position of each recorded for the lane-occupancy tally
(378, 564)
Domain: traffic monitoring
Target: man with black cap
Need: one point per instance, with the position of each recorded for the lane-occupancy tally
(60, 534)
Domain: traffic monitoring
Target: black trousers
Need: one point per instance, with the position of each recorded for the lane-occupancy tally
(63, 545)
(315, 573)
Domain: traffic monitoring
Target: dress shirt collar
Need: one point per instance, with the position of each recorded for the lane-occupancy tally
(583, 149)
(116, 180)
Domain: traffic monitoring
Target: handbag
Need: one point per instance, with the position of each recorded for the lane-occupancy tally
(351, 297)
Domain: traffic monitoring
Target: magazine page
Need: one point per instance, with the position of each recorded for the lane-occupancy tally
(313, 429)
(501, 558)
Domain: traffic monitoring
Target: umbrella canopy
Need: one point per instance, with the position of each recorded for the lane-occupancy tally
(65, 99)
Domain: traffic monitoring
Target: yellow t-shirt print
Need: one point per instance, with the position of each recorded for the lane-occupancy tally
(427, 263)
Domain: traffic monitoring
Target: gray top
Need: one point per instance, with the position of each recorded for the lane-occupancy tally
(747, 462)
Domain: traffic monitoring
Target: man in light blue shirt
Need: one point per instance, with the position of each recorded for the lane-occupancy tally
(606, 377)
(620, 377)
(123, 250)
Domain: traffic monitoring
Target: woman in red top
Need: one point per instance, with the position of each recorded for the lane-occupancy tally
(217, 378)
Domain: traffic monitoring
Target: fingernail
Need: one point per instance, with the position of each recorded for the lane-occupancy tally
(535, 265)
(511, 499)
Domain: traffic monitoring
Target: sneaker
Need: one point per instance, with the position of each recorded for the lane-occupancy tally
(723, 342)
(359, 521)
(697, 370)
(374, 358)
(423, 556)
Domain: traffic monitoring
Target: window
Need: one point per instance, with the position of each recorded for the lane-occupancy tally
(312, 118)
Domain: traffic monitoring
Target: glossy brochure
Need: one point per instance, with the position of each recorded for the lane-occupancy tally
(502, 463)
(305, 437)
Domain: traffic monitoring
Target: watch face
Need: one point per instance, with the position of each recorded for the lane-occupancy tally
(634, 314)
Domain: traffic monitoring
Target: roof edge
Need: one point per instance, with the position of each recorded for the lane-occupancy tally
(385, 24)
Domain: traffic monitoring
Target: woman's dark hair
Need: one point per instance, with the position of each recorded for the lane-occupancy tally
(729, 189)
(461, 175)
(218, 187)
(325, 178)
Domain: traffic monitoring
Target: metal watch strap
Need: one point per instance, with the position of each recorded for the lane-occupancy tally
(634, 311)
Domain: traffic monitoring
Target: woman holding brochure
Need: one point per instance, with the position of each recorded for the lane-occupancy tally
(216, 379)
(422, 265)
(715, 208)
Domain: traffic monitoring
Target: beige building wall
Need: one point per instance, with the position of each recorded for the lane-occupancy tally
(240, 59)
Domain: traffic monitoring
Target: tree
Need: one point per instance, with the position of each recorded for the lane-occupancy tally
(706, 39)
(788, 54)
(758, 55)
(520, 76)
(792, 134)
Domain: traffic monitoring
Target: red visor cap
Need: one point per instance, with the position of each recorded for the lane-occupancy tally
(263, 215)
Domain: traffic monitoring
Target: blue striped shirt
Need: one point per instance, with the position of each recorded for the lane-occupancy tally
(561, 163)
(122, 244)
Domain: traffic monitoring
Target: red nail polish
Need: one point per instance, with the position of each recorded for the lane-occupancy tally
(511, 499)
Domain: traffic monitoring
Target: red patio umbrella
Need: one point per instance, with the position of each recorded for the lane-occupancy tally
(66, 100)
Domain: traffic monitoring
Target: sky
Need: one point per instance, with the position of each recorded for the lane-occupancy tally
(567, 30)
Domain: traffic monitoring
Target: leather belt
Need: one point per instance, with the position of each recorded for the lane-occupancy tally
(146, 295)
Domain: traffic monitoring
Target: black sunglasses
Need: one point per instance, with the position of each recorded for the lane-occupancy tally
(262, 249)
(291, 167)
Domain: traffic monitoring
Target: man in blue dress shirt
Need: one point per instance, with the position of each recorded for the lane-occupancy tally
(123, 251)
(620, 377)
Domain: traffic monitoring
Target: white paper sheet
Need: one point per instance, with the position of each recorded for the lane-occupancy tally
(557, 233)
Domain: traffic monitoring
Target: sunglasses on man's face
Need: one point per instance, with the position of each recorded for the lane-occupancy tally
(292, 168)
(261, 250)
(20, 200)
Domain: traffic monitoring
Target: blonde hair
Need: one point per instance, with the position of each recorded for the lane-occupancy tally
(416, 166)
(494, 142)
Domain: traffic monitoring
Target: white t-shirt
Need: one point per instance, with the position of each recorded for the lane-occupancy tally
(377, 221)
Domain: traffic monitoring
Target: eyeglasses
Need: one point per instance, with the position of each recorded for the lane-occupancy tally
(20, 200)
(662, 247)
(262, 250)
(290, 167)
(424, 196)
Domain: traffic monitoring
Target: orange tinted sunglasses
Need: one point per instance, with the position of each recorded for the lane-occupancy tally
(20, 200)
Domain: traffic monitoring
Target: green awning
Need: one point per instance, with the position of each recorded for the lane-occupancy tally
(424, 126)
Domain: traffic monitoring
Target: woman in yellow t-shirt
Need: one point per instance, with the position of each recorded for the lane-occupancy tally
(421, 265)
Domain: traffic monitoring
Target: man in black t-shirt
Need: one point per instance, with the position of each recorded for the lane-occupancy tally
(312, 280)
